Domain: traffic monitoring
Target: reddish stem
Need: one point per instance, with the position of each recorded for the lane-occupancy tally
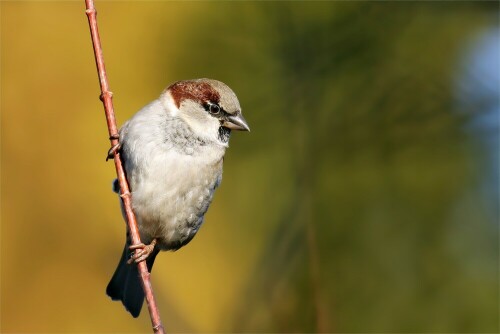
(106, 98)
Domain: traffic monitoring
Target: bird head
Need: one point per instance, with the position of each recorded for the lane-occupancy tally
(209, 107)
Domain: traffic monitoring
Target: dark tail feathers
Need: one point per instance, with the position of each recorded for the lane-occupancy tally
(125, 285)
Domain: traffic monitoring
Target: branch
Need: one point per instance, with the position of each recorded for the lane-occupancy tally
(106, 98)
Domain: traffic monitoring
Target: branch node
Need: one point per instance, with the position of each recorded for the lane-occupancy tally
(90, 11)
(125, 194)
(157, 328)
(105, 94)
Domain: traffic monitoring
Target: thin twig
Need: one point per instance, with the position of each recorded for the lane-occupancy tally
(106, 98)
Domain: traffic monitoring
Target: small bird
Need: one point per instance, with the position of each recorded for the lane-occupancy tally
(172, 151)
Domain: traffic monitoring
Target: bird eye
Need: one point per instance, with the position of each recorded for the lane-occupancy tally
(213, 108)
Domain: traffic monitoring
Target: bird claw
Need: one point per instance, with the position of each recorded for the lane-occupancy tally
(112, 151)
(115, 148)
(143, 252)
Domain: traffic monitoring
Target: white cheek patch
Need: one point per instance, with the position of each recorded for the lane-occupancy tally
(202, 124)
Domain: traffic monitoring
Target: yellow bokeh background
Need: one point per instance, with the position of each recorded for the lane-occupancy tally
(62, 232)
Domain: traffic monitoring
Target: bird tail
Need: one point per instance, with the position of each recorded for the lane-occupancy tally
(125, 285)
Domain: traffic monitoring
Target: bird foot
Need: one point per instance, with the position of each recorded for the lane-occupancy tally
(143, 253)
(114, 149)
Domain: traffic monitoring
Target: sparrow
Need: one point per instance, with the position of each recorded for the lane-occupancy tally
(172, 152)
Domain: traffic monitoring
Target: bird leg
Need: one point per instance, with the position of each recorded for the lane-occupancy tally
(143, 253)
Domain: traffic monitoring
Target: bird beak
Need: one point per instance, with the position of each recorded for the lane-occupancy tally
(236, 122)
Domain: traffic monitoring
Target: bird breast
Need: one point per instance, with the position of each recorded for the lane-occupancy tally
(171, 199)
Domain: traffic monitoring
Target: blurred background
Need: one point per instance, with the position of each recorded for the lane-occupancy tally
(365, 199)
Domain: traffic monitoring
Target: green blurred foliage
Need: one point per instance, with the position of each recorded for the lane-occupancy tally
(350, 207)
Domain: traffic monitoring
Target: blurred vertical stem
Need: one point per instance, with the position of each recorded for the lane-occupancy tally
(304, 126)
(305, 175)
(106, 98)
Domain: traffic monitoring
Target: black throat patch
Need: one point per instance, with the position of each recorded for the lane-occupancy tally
(224, 134)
